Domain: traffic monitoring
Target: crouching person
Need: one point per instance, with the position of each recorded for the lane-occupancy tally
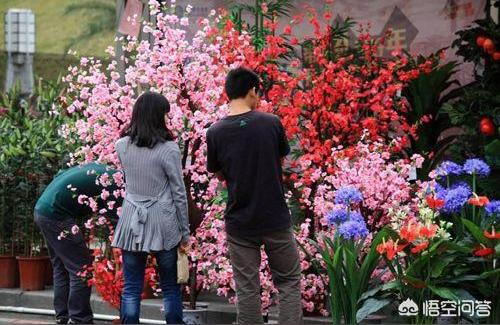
(56, 212)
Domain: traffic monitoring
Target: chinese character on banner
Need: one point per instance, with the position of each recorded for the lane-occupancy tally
(483, 308)
(431, 308)
(467, 308)
(449, 308)
(130, 21)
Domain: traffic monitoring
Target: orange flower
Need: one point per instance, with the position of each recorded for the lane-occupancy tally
(482, 251)
(410, 232)
(428, 231)
(420, 247)
(390, 248)
(492, 235)
(479, 201)
(434, 203)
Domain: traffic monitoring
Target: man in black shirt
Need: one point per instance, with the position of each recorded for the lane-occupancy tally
(246, 149)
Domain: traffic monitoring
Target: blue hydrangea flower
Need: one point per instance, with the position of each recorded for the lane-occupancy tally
(454, 197)
(353, 229)
(447, 168)
(347, 195)
(336, 216)
(493, 208)
(476, 166)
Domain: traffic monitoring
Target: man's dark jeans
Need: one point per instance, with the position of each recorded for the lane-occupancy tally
(68, 256)
(134, 265)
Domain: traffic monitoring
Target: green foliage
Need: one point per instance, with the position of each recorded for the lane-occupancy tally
(479, 100)
(349, 276)
(31, 152)
(275, 8)
(427, 95)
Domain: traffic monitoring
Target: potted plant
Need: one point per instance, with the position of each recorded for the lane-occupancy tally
(31, 153)
(9, 272)
(349, 263)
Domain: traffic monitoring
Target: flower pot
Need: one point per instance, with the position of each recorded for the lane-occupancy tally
(9, 272)
(49, 274)
(32, 272)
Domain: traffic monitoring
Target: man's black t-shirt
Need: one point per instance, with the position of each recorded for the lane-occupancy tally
(247, 150)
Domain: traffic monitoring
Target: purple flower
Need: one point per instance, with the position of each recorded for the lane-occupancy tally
(356, 216)
(476, 166)
(447, 168)
(454, 197)
(493, 208)
(353, 229)
(347, 195)
(336, 216)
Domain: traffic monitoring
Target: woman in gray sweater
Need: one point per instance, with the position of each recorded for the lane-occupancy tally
(154, 218)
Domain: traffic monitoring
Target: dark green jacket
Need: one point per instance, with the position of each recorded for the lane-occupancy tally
(60, 199)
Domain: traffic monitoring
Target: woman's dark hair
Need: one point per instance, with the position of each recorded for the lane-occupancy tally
(239, 82)
(147, 126)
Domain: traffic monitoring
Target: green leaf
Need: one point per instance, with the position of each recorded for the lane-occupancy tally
(370, 293)
(492, 153)
(370, 306)
(488, 274)
(48, 154)
(440, 265)
(475, 231)
(443, 292)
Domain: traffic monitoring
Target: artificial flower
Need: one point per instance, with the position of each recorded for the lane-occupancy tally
(482, 251)
(479, 201)
(429, 230)
(493, 234)
(476, 166)
(447, 168)
(389, 248)
(336, 216)
(454, 197)
(420, 247)
(353, 229)
(410, 232)
(493, 208)
(347, 195)
(434, 203)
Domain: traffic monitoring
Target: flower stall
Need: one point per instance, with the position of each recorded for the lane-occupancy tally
(393, 176)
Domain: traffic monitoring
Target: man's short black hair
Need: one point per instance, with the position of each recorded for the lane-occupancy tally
(239, 82)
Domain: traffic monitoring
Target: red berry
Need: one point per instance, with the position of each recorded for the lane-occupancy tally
(486, 126)
(496, 56)
(489, 46)
(480, 41)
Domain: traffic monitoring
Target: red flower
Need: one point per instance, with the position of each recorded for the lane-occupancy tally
(482, 251)
(410, 232)
(434, 203)
(479, 201)
(428, 231)
(390, 248)
(420, 247)
(287, 30)
(492, 235)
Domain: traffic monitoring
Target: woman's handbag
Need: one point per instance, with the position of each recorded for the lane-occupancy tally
(182, 267)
